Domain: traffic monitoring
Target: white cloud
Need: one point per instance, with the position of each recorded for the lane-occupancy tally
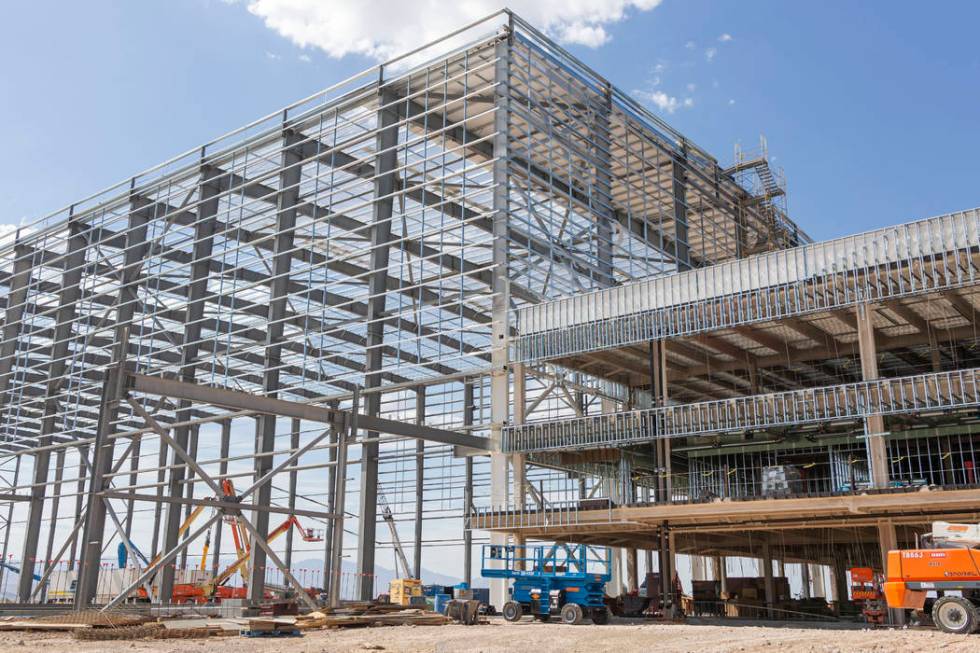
(659, 99)
(305, 58)
(662, 101)
(691, 87)
(731, 102)
(725, 37)
(381, 29)
(272, 56)
(690, 45)
(710, 53)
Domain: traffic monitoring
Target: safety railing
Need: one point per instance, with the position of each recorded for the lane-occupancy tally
(922, 392)
(903, 260)
(549, 514)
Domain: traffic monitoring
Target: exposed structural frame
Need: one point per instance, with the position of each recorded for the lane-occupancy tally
(353, 261)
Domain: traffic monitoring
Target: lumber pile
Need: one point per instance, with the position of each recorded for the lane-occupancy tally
(352, 618)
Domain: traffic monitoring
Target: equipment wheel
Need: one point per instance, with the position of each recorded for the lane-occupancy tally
(954, 614)
(600, 616)
(571, 613)
(513, 611)
(542, 617)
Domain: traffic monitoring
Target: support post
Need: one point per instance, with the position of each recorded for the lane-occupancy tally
(328, 557)
(888, 540)
(874, 426)
(201, 251)
(500, 305)
(293, 445)
(344, 435)
(419, 480)
(682, 249)
(68, 296)
(290, 176)
(189, 486)
(770, 584)
(468, 399)
(385, 186)
(223, 450)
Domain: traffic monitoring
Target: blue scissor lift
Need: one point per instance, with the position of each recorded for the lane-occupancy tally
(562, 579)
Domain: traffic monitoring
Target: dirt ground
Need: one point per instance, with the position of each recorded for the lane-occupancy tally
(532, 637)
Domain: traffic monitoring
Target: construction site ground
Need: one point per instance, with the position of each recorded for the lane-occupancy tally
(619, 636)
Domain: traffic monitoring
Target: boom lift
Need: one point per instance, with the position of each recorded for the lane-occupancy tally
(566, 580)
(949, 561)
(215, 588)
(405, 585)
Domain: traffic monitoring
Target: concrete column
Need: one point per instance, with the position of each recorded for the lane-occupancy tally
(632, 573)
(874, 426)
(720, 566)
(816, 573)
(768, 576)
(805, 580)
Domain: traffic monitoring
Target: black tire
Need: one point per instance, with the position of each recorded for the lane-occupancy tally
(571, 614)
(600, 616)
(954, 614)
(513, 611)
(542, 617)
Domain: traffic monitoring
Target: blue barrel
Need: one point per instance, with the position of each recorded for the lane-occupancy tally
(439, 605)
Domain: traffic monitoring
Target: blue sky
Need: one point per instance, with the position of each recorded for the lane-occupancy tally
(873, 108)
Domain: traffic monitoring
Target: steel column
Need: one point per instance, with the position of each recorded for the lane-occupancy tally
(290, 177)
(468, 410)
(293, 445)
(500, 304)
(68, 297)
(385, 185)
(222, 470)
(419, 480)
(197, 293)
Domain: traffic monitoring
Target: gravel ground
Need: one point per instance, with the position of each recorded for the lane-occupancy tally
(502, 637)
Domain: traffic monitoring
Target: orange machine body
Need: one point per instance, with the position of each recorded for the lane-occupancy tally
(913, 573)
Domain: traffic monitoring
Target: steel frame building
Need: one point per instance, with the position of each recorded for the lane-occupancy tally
(416, 287)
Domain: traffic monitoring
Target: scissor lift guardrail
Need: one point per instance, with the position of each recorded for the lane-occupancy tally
(921, 392)
(915, 258)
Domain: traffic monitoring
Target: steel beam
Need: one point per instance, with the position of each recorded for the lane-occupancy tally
(245, 401)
